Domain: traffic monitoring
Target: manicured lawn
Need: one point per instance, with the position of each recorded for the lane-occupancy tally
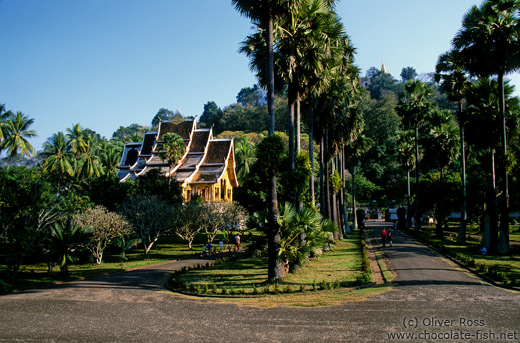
(342, 265)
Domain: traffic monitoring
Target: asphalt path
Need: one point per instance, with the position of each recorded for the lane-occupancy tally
(432, 300)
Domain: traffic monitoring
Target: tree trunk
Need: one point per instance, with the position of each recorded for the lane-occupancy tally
(408, 212)
(417, 210)
(492, 206)
(333, 202)
(323, 208)
(327, 177)
(298, 124)
(311, 151)
(440, 208)
(461, 238)
(354, 214)
(503, 245)
(275, 266)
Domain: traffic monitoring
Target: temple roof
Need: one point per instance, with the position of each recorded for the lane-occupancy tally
(205, 160)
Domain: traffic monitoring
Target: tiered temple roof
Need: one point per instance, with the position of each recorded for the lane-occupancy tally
(205, 161)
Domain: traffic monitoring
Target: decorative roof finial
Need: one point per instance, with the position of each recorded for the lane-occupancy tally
(383, 68)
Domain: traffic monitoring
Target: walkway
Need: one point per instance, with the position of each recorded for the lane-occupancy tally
(430, 293)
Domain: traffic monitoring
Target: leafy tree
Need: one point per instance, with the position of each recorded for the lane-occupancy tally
(251, 96)
(154, 183)
(211, 115)
(163, 114)
(408, 74)
(101, 226)
(190, 217)
(16, 133)
(380, 83)
(131, 133)
(27, 208)
(150, 217)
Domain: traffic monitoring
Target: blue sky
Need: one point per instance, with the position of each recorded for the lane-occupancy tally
(111, 63)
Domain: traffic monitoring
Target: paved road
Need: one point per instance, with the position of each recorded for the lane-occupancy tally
(430, 293)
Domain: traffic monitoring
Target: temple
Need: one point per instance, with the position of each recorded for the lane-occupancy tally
(207, 167)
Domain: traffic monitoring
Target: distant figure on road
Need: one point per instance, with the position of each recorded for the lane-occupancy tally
(389, 238)
(221, 245)
(237, 242)
(384, 235)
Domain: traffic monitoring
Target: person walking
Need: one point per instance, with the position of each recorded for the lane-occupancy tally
(237, 242)
(389, 238)
(384, 235)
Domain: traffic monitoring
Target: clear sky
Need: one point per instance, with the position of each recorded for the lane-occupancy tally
(111, 63)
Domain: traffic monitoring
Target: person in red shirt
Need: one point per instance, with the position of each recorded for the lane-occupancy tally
(384, 235)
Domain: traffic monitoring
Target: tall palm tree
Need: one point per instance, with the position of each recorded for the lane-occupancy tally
(443, 146)
(264, 13)
(406, 157)
(76, 137)
(110, 155)
(489, 42)
(57, 156)
(483, 133)
(414, 107)
(76, 143)
(16, 133)
(449, 72)
(304, 41)
(89, 163)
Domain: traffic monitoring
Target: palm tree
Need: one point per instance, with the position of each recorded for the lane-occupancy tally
(303, 43)
(16, 132)
(483, 132)
(3, 116)
(414, 107)
(76, 140)
(443, 145)
(57, 157)
(109, 155)
(245, 154)
(406, 157)
(489, 42)
(89, 163)
(66, 242)
(264, 13)
(450, 74)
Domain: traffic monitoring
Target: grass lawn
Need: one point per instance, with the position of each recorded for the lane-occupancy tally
(342, 265)
(34, 275)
